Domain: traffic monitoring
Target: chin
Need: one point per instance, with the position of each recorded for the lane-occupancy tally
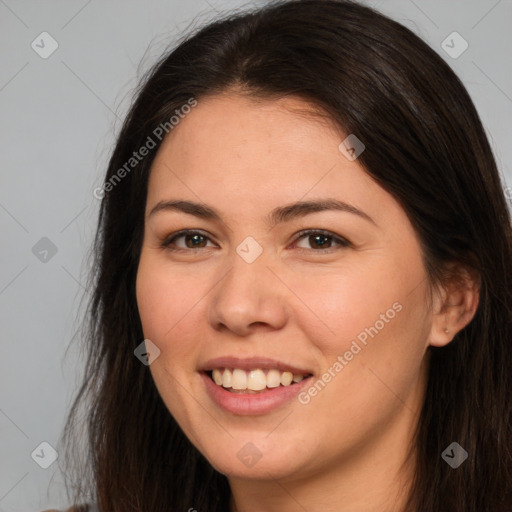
(257, 459)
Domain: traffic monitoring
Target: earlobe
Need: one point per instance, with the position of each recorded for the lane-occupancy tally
(455, 306)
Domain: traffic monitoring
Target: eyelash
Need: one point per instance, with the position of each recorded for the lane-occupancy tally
(343, 243)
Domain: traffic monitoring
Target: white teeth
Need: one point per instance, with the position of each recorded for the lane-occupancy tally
(254, 380)
(286, 378)
(239, 379)
(273, 378)
(227, 378)
(217, 377)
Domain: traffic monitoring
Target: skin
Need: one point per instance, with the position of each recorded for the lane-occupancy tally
(345, 450)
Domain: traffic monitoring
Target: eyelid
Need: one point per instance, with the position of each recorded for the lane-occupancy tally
(342, 242)
(173, 236)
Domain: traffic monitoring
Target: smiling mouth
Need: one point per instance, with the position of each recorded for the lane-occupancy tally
(259, 380)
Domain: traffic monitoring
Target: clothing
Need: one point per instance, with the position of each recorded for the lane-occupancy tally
(86, 507)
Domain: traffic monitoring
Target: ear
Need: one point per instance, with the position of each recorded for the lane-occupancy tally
(454, 304)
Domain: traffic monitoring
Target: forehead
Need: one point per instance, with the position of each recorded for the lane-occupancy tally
(247, 159)
(238, 121)
(239, 142)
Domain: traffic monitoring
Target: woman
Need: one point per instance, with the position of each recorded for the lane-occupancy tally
(302, 288)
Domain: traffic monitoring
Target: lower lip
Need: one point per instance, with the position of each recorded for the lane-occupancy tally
(252, 404)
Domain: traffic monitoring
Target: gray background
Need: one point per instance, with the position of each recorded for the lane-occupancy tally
(59, 117)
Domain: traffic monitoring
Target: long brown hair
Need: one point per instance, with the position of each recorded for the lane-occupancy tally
(425, 145)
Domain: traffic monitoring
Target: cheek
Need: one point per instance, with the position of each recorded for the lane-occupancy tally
(348, 304)
(165, 300)
(374, 317)
(152, 302)
(157, 306)
(166, 310)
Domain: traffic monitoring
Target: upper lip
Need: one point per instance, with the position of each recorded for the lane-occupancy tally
(251, 363)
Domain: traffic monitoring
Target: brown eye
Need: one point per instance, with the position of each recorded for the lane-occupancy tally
(322, 240)
(318, 240)
(193, 240)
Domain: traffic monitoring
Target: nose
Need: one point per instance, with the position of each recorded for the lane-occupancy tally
(248, 298)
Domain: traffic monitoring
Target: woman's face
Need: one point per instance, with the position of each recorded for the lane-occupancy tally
(247, 296)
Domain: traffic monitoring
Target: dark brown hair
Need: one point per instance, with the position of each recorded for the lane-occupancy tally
(425, 145)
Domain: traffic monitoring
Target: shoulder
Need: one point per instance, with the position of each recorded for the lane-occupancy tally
(77, 508)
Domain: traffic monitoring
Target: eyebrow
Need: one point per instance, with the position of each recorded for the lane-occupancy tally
(278, 215)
